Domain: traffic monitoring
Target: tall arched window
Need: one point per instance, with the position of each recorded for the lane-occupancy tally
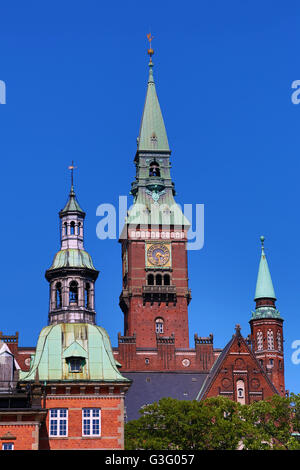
(78, 228)
(73, 293)
(87, 295)
(66, 228)
(150, 280)
(259, 340)
(159, 326)
(240, 391)
(279, 346)
(154, 169)
(158, 279)
(72, 226)
(58, 296)
(270, 339)
(166, 280)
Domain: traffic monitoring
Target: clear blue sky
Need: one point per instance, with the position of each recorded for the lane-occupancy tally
(76, 76)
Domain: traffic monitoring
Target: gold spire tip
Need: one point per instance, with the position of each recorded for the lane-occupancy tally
(150, 50)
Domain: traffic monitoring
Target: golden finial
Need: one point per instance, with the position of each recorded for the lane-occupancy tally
(72, 168)
(150, 50)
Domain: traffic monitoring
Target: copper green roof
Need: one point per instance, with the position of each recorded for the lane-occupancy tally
(58, 343)
(264, 285)
(158, 208)
(72, 258)
(72, 204)
(153, 133)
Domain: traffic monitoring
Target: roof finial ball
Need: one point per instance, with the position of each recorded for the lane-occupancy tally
(150, 50)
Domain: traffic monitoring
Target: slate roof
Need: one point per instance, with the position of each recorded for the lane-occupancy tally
(150, 387)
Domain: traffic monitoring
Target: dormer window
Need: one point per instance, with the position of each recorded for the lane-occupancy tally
(75, 364)
(153, 140)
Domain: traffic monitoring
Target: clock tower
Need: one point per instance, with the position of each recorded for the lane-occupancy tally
(155, 292)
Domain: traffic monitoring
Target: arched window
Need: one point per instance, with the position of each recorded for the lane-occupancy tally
(78, 228)
(270, 339)
(73, 293)
(259, 340)
(154, 169)
(158, 279)
(58, 296)
(72, 225)
(66, 228)
(279, 341)
(87, 295)
(166, 280)
(150, 280)
(159, 326)
(240, 391)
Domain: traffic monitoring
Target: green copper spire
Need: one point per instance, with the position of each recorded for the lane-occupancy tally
(264, 285)
(72, 204)
(153, 135)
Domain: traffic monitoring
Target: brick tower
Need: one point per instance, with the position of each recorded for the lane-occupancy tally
(266, 327)
(155, 293)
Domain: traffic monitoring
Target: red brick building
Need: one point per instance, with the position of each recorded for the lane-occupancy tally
(78, 384)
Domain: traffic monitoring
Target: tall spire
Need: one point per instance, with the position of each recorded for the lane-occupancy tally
(72, 203)
(264, 285)
(153, 135)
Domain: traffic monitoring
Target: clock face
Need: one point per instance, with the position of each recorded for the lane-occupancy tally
(158, 254)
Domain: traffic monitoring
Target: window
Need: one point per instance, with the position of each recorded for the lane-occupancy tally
(58, 422)
(58, 295)
(278, 341)
(66, 228)
(240, 389)
(271, 362)
(73, 295)
(87, 295)
(259, 340)
(147, 360)
(158, 280)
(75, 364)
(150, 280)
(7, 446)
(166, 280)
(91, 425)
(270, 338)
(72, 225)
(154, 169)
(159, 326)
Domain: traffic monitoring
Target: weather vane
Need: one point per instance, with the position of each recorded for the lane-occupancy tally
(150, 50)
(72, 168)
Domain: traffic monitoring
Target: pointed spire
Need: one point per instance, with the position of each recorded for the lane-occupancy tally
(264, 285)
(153, 135)
(72, 203)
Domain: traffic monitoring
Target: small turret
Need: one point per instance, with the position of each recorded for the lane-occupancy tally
(266, 326)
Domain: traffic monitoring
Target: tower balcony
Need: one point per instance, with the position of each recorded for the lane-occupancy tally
(166, 294)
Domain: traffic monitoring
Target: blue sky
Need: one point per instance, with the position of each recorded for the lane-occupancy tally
(76, 74)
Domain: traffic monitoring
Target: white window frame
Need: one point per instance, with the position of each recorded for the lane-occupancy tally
(270, 338)
(88, 420)
(260, 343)
(159, 326)
(11, 444)
(61, 416)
